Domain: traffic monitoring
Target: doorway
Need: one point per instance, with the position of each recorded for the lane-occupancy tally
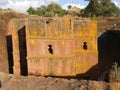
(9, 51)
(23, 51)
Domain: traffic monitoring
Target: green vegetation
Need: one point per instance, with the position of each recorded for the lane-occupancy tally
(115, 73)
(41, 11)
(31, 11)
(49, 11)
(1, 9)
(95, 8)
(101, 8)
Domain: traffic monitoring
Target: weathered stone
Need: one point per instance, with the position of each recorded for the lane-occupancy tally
(115, 86)
(15, 82)
(5, 17)
(94, 85)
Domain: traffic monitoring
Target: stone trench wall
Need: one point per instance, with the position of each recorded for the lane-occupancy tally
(103, 26)
(3, 49)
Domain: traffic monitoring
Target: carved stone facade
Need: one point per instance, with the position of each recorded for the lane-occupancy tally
(53, 46)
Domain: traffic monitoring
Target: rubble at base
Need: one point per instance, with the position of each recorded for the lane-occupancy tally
(14, 82)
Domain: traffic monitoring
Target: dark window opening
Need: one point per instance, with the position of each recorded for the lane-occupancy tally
(85, 46)
(50, 50)
(47, 22)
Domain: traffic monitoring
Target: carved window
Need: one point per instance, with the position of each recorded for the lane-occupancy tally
(50, 50)
(85, 47)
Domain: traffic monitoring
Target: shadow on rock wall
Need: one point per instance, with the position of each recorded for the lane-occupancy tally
(91, 74)
(109, 52)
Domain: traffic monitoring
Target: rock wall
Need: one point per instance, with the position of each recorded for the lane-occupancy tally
(5, 17)
(3, 50)
(108, 24)
(12, 82)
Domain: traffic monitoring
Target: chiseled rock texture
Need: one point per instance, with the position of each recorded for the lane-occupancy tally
(13, 82)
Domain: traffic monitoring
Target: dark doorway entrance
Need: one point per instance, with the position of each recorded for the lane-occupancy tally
(23, 52)
(109, 51)
(10, 55)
